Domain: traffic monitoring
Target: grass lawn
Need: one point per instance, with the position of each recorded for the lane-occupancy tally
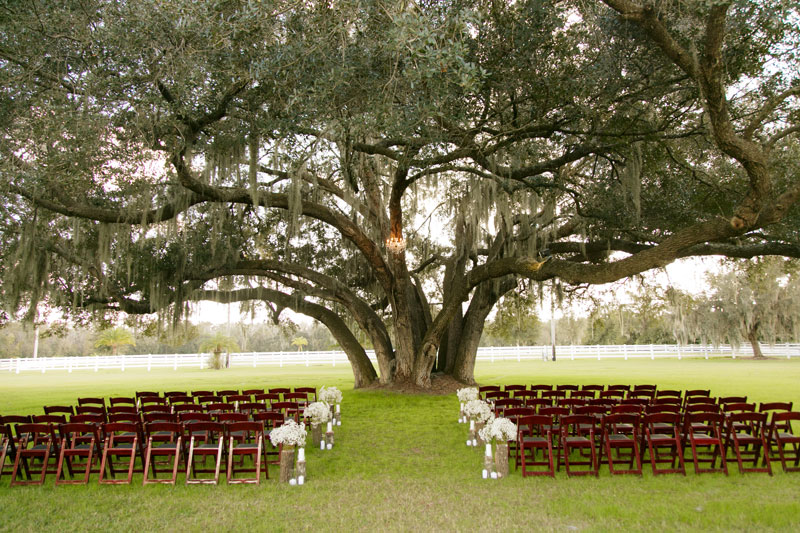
(400, 463)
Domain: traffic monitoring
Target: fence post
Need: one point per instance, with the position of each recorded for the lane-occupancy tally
(17, 361)
(597, 348)
(149, 361)
(175, 365)
(679, 352)
(254, 359)
(652, 355)
(69, 370)
(281, 359)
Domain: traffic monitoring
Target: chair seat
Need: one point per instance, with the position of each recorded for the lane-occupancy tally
(534, 440)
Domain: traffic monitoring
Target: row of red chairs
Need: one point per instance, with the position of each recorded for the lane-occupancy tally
(648, 393)
(707, 436)
(94, 447)
(293, 407)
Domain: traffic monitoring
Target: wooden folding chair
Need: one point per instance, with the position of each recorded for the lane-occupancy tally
(122, 440)
(662, 431)
(621, 432)
(163, 439)
(78, 440)
(747, 436)
(251, 445)
(9, 441)
(36, 443)
(206, 439)
(704, 430)
(786, 441)
(534, 434)
(578, 433)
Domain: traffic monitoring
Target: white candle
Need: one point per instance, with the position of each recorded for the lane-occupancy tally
(488, 450)
(301, 454)
(330, 427)
(322, 445)
(338, 422)
(485, 474)
(293, 481)
(338, 408)
(301, 479)
(474, 442)
(469, 442)
(330, 446)
(472, 425)
(494, 475)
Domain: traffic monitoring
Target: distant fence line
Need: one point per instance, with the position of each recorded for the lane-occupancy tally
(485, 354)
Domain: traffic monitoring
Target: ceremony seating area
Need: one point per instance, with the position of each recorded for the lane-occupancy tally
(623, 426)
(200, 433)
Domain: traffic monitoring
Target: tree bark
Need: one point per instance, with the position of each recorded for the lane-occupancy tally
(752, 336)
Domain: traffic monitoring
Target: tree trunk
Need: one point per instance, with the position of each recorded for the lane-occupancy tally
(752, 336)
(484, 300)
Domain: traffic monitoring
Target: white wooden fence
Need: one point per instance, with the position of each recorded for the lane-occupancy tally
(487, 354)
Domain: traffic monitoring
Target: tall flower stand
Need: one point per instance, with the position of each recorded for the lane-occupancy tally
(316, 434)
(501, 459)
(478, 428)
(287, 464)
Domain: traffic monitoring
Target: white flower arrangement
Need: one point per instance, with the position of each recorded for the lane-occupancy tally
(478, 410)
(498, 430)
(466, 394)
(318, 412)
(331, 395)
(290, 434)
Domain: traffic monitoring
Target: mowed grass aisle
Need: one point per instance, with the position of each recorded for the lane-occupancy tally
(400, 463)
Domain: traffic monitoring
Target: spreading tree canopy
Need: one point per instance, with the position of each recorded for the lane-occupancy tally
(388, 168)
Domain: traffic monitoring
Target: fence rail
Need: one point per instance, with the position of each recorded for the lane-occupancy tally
(485, 354)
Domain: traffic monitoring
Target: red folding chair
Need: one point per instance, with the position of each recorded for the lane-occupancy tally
(164, 439)
(207, 440)
(578, 433)
(785, 440)
(37, 442)
(78, 440)
(662, 431)
(621, 432)
(747, 435)
(122, 440)
(251, 446)
(311, 392)
(534, 435)
(9, 441)
(703, 431)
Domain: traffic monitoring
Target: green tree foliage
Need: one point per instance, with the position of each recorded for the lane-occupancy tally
(114, 339)
(158, 153)
(756, 301)
(216, 344)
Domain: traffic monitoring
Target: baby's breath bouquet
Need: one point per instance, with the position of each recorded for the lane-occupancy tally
(464, 395)
(330, 395)
(478, 412)
(318, 412)
(289, 434)
(333, 396)
(498, 431)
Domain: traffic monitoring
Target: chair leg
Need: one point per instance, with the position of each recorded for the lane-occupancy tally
(21, 458)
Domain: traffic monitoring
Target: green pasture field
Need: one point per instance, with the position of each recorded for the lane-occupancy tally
(400, 462)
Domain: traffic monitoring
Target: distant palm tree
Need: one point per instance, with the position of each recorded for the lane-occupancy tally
(216, 344)
(299, 342)
(114, 338)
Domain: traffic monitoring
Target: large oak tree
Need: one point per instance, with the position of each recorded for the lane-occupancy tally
(389, 168)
